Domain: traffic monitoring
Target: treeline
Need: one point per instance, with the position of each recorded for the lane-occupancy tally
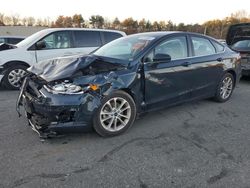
(216, 28)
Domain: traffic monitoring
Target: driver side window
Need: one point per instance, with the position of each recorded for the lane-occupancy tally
(58, 40)
(175, 47)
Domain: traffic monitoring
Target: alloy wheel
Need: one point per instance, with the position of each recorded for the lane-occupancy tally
(115, 114)
(226, 87)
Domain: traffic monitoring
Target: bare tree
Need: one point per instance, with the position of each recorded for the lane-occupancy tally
(240, 14)
(15, 18)
(24, 21)
(116, 23)
(1, 19)
(31, 21)
(39, 22)
(7, 20)
(46, 22)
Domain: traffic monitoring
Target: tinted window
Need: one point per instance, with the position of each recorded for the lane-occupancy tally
(58, 40)
(2, 40)
(202, 46)
(176, 47)
(109, 36)
(14, 40)
(87, 39)
(219, 47)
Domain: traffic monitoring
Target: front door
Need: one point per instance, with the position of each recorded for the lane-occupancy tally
(168, 82)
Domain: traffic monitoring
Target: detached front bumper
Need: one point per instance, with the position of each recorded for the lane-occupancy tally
(50, 113)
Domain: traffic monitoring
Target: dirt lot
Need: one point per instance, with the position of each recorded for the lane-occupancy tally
(199, 144)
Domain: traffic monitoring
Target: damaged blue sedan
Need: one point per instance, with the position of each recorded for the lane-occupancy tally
(107, 89)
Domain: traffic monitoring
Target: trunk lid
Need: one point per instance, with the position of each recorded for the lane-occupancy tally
(238, 32)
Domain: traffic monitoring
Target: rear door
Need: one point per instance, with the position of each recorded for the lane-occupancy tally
(58, 44)
(206, 64)
(86, 41)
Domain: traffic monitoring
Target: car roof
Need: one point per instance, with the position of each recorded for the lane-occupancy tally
(159, 34)
(82, 29)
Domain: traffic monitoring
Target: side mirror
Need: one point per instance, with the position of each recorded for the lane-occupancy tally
(162, 58)
(40, 45)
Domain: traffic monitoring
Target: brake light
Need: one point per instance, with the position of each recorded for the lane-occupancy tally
(243, 54)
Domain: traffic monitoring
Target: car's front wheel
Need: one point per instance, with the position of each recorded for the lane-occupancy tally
(115, 115)
(225, 88)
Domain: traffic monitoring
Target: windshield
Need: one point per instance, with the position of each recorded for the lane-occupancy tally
(31, 39)
(125, 48)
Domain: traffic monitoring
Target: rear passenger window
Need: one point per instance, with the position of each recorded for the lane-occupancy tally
(87, 38)
(219, 47)
(202, 46)
(109, 36)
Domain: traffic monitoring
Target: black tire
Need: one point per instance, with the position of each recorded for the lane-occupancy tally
(99, 128)
(6, 82)
(218, 97)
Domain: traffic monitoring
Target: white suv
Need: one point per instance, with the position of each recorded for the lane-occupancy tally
(47, 44)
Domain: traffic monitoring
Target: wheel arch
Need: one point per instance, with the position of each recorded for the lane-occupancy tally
(128, 91)
(12, 63)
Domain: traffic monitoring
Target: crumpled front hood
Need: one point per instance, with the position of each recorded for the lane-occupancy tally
(237, 32)
(65, 67)
(55, 69)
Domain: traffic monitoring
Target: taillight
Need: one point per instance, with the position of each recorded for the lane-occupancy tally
(243, 54)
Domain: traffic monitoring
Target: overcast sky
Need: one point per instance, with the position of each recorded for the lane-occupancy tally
(189, 11)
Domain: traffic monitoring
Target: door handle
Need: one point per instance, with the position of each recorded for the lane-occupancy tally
(186, 64)
(219, 59)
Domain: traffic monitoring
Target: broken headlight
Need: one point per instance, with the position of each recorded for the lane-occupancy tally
(65, 88)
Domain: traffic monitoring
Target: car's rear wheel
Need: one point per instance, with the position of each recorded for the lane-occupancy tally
(115, 115)
(225, 88)
(13, 76)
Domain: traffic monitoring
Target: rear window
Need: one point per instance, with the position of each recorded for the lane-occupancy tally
(243, 44)
(219, 47)
(202, 46)
(109, 36)
(87, 38)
